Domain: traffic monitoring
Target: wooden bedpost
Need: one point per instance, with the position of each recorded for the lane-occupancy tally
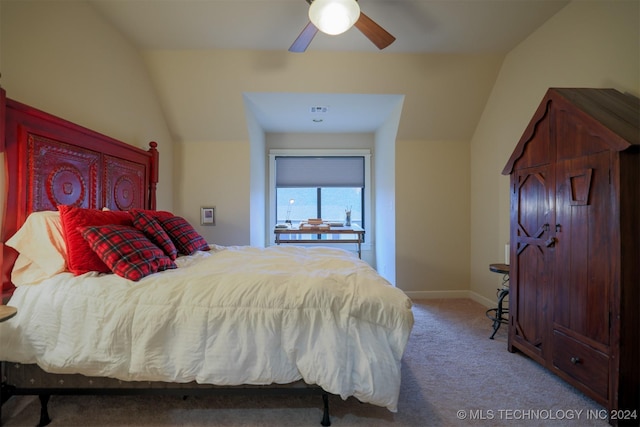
(3, 191)
(3, 109)
(153, 178)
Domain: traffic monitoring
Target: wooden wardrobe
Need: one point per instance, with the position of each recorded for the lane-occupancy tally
(575, 244)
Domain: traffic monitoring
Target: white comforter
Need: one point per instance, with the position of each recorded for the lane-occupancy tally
(236, 315)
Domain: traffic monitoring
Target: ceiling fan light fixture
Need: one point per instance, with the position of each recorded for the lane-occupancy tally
(334, 16)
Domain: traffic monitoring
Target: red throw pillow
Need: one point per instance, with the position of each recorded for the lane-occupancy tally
(150, 226)
(80, 257)
(184, 236)
(126, 250)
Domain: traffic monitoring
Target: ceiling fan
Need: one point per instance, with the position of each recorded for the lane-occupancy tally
(374, 32)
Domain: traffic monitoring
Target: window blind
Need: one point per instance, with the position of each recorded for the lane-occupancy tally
(328, 171)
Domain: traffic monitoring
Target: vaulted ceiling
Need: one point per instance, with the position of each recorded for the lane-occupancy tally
(442, 26)
(420, 26)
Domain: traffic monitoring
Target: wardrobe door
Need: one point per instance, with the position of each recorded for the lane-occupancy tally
(584, 213)
(584, 269)
(531, 270)
(587, 232)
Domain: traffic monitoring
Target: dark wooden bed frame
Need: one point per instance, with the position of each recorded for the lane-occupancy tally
(51, 161)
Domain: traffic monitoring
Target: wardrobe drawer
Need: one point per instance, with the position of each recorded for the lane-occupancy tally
(581, 362)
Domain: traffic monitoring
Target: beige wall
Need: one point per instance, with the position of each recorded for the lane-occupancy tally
(64, 59)
(432, 218)
(587, 44)
(385, 217)
(215, 174)
(201, 91)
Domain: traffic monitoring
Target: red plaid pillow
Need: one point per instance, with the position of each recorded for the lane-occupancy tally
(126, 250)
(150, 226)
(155, 214)
(184, 236)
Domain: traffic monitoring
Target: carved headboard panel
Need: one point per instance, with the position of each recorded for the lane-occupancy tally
(61, 174)
(50, 161)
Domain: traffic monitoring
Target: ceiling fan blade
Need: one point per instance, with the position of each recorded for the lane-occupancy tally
(374, 32)
(304, 39)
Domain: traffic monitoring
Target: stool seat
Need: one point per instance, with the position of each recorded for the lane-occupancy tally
(499, 268)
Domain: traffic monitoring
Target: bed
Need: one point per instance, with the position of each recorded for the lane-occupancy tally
(161, 310)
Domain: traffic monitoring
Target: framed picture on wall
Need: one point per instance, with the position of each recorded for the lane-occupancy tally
(208, 216)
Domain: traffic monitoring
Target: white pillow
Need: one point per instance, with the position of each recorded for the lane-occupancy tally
(41, 248)
(26, 272)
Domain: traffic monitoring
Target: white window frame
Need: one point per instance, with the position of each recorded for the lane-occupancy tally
(271, 191)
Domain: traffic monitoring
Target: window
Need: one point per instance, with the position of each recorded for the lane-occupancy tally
(319, 184)
(319, 187)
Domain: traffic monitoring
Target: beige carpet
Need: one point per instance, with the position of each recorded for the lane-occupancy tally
(453, 375)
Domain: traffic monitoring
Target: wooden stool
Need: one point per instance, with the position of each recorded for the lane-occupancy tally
(499, 314)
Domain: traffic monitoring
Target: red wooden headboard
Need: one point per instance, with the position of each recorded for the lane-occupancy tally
(50, 161)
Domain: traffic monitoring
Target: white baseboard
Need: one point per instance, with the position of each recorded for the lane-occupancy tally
(416, 295)
(489, 303)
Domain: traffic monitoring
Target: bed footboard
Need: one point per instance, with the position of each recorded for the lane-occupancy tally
(19, 379)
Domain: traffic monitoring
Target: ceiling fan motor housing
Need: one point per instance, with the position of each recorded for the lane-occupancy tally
(334, 16)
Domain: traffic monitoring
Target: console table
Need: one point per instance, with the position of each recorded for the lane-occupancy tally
(324, 235)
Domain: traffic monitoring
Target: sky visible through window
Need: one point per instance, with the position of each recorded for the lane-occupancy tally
(335, 201)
